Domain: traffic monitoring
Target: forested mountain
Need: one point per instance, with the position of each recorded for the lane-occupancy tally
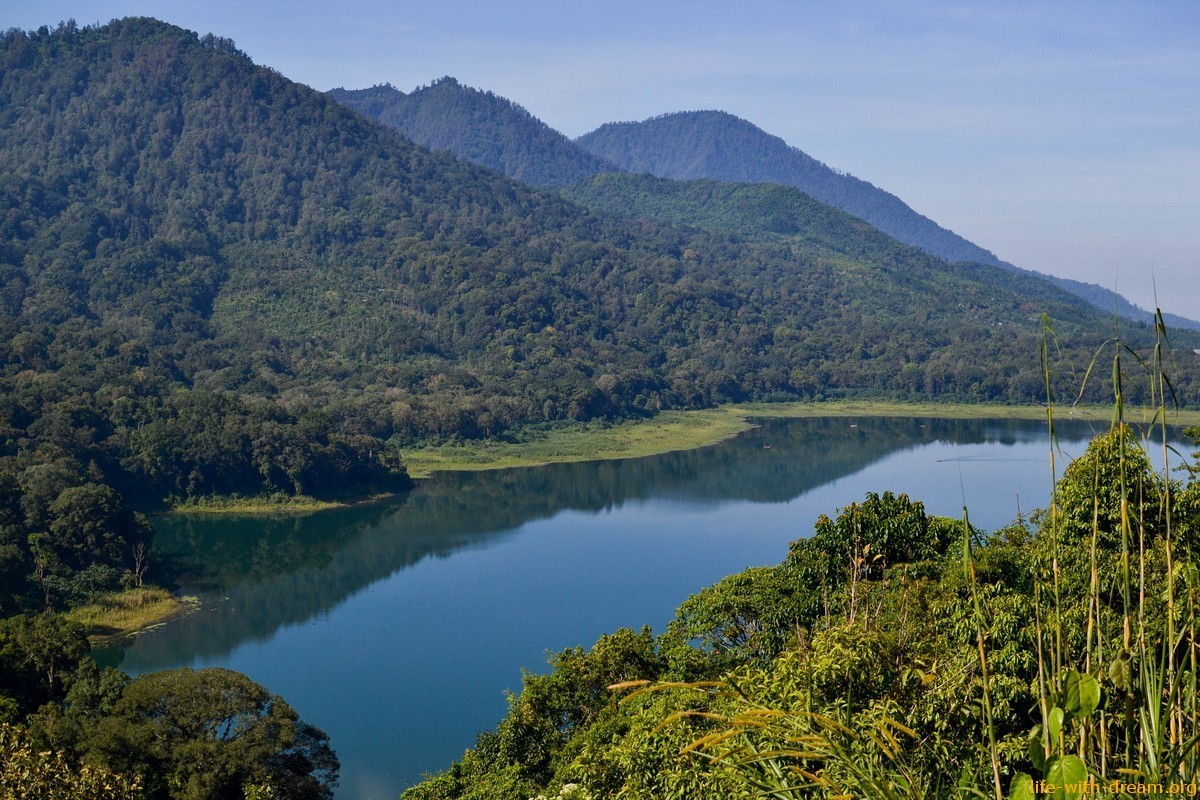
(772, 211)
(217, 280)
(478, 126)
(718, 145)
(498, 133)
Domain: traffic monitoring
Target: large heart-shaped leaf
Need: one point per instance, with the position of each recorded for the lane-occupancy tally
(1069, 775)
(1082, 693)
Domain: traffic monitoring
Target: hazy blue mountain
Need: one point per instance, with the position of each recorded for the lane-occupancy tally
(720, 146)
(480, 127)
(1114, 303)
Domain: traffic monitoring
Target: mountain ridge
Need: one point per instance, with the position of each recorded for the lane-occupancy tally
(718, 145)
(479, 126)
(501, 134)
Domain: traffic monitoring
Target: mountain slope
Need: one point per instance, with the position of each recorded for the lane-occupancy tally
(773, 212)
(1114, 303)
(720, 146)
(212, 275)
(478, 126)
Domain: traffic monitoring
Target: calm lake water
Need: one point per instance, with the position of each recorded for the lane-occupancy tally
(397, 628)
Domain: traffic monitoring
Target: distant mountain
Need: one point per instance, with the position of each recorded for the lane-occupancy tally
(720, 146)
(480, 127)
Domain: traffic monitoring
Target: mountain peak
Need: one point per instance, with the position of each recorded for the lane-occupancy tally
(721, 146)
(481, 127)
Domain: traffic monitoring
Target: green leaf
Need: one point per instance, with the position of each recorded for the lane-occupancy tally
(1069, 775)
(1120, 671)
(1021, 787)
(1082, 694)
(1054, 724)
(1036, 750)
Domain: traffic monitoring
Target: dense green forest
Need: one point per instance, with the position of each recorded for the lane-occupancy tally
(766, 209)
(479, 126)
(720, 146)
(214, 280)
(192, 238)
(894, 655)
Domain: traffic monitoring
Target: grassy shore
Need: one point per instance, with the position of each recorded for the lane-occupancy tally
(127, 612)
(684, 430)
(264, 504)
(670, 430)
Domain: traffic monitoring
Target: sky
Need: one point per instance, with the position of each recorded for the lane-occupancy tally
(1063, 136)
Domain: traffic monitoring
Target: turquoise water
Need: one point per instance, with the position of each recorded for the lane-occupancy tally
(398, 627)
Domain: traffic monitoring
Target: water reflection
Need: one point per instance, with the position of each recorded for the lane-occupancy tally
(262, 573)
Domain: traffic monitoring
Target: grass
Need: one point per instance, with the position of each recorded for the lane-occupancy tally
(127, 612)
(685, 430)
(261, 504)
(670, 430)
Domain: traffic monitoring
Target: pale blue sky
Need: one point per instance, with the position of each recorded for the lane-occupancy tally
(1063, 136)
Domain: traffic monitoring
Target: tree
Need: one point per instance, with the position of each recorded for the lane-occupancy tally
(36, 652)
(1112, 480)
(28, 772)
(92, 525)
(207, 734)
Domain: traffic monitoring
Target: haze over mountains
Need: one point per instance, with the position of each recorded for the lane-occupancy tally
(212, 277)
(686, 145)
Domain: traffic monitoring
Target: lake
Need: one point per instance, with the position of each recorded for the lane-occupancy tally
(398, 627)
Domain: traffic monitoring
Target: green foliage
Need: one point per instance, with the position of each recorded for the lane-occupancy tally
(28, 772)
(1111, 484)
(37, 655)
(209, 734)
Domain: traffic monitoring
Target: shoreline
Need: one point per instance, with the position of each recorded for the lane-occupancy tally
(126, 614)
(666, 432)
(687, 430)
(287, 504)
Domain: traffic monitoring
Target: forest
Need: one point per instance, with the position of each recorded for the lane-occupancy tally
(216, 281)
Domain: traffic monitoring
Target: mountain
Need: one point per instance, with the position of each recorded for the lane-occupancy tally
(720, 146)
(773, 212)
(213, 279)
(495, 132)
(478, 126)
